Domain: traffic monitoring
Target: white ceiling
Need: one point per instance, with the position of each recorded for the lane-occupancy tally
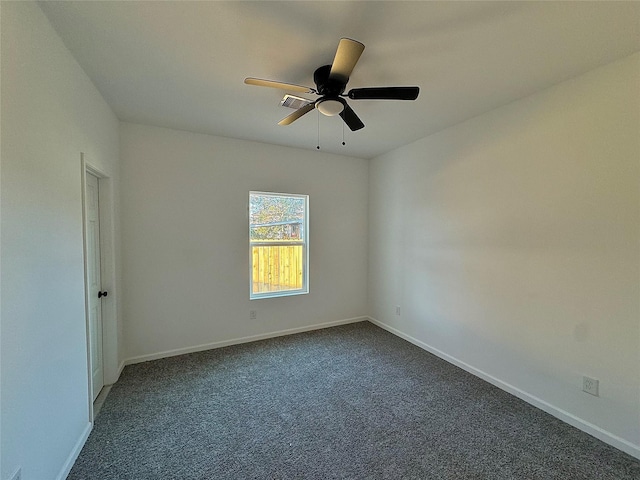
(182, 64)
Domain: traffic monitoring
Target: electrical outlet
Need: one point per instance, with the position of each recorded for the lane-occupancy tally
(590, 385)
(398, 310)
(253, 314)
(17, 475)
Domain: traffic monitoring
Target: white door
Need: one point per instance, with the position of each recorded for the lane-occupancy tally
(95, 292)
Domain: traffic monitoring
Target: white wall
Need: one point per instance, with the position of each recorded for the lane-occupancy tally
(511, 242)
(50, 113)
(185, 227)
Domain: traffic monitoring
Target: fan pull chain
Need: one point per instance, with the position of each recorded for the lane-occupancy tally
(343, 144)
(318, 116)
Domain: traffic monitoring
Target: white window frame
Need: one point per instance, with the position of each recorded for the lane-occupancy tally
(305, 249)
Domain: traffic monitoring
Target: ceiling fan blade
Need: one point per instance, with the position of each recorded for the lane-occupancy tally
(347, 56)
(288, 120)
(384, 93)
(284, 86)
(351, 119)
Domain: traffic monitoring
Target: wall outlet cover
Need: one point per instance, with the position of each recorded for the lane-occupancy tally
(590, 385)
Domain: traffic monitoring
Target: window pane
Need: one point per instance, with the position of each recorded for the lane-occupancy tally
(276, 217)
(277, 268)
(277, 237)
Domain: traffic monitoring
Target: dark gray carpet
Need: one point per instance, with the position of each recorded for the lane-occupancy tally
(347, 402)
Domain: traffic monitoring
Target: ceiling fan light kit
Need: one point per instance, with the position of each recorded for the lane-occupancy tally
(331, 82)
(330, 107)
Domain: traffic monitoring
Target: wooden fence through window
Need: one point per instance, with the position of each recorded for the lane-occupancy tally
(277, 268)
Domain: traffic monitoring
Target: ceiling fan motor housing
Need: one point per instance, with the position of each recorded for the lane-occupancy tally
(328, 87)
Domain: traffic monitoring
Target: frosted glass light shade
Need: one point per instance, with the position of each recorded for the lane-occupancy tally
(330, 107)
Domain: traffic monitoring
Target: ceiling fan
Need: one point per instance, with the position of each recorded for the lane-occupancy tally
(331, 82)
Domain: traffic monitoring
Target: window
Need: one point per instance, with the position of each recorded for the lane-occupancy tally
(278, 239)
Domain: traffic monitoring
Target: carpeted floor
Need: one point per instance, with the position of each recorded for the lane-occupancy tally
(347, 402)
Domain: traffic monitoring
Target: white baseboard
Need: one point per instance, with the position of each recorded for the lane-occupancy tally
(593, 430)
(68, 465)
(236, 341)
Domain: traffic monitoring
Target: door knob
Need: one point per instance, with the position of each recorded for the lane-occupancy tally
(103, 294)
